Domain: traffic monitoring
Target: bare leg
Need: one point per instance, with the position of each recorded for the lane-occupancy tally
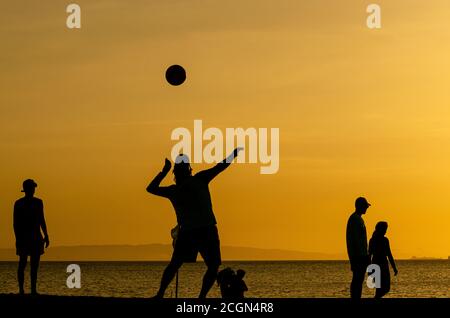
(21, 272)
(34, 263)
(168, 275)
(208, 280)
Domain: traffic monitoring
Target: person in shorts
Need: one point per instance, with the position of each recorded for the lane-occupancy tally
(198, 232)
(29, 224)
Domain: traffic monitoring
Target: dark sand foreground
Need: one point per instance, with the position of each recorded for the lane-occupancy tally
(73, 305)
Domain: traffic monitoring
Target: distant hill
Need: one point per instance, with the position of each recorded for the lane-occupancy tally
(162, 252)
(425, 258)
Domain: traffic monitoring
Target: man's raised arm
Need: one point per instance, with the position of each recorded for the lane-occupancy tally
(211, 173)
(154, 186)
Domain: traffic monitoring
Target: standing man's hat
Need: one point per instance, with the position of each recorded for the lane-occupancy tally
(361, 201)
(27, 184)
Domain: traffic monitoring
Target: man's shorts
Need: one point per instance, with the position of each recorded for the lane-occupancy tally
(204, 240)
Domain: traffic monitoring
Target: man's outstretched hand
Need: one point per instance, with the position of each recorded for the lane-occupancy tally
(236, 151)
(167, 166)
(233, 155)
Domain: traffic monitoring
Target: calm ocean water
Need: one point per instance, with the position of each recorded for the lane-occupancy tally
(264, 279)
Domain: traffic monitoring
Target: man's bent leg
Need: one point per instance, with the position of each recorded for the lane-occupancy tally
(210, 251)
(167, 277)
(208, 280)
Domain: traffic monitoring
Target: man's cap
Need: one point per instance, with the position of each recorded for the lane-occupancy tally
(362, 201)
(27, 184)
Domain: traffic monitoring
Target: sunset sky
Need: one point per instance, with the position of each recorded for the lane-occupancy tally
(88, 114)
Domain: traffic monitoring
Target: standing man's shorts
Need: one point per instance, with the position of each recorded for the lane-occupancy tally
(204, 240)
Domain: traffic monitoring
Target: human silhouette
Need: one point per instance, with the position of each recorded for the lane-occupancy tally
(380, 253)
(225, 280)
(357, 247)
(238, 285)
(231, 283)
(191, 200)
(28, 221)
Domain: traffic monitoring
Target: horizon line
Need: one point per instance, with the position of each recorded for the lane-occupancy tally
(333, 256)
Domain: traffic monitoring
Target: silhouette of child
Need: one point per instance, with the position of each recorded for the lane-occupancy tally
(380, 253)
(238, 285)
(224, 279)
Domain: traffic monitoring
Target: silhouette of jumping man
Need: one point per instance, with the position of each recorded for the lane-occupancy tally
(191, 200)
(357, 247)
(28, 222)
(380, 252)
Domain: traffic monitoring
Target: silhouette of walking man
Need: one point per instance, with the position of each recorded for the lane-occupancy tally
(191, 200)
(357, 247)
(28, 222)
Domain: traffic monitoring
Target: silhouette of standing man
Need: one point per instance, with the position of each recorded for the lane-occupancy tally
(357, 247)
(28, 222)
(191, 200)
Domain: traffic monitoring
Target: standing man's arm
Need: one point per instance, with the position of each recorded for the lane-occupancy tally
(154, 186)
(355, 242)
(44, 226)
(211, 173)
(351, 240)
(16, 225)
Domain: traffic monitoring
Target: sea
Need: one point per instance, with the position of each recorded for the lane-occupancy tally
(265, 279)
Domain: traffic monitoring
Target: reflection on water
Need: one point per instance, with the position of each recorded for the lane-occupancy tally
(264, 279)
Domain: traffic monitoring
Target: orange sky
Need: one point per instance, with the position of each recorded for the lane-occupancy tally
(87, 113)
